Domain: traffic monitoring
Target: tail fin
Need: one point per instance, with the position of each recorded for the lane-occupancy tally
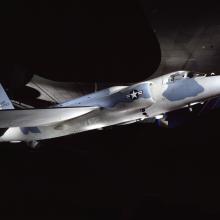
(5, 102)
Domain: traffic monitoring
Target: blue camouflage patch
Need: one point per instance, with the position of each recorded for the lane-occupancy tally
(182, 89)
(27, 130)
(142, 90)
(126, 95)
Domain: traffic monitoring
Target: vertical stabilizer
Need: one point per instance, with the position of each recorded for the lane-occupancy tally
(5, 102)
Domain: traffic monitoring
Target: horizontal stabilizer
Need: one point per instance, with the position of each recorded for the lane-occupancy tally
(40, 117)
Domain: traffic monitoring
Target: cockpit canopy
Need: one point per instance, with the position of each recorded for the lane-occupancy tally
(186, 74)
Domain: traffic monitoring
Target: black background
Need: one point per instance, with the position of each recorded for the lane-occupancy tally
(129, 172)
(83, 41)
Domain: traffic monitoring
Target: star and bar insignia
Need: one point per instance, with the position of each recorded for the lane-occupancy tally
(134, 94)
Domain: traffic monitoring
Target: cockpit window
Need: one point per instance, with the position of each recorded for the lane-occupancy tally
(176, 76)
(195, 74)
(187, 74)
(190, 74)
(183, 75)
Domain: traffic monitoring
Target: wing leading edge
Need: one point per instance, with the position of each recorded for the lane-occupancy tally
(40, 117)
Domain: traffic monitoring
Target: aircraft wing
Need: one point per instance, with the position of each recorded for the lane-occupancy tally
(40, 117)
(57, 92)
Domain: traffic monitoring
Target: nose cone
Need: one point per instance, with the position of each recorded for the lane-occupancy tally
(211, 86)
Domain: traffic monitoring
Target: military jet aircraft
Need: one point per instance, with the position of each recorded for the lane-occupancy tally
(149, 100)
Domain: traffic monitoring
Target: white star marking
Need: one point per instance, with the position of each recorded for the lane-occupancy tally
(134, 95)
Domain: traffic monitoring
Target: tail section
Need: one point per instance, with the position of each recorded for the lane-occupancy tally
(5, 102)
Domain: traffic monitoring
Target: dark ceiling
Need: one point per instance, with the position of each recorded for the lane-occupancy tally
(105, 41)
(110, 41)
(189, 37)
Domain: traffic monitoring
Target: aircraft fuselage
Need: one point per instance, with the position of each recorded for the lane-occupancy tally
(125, 104)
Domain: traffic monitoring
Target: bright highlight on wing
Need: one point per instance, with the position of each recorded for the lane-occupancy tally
(40, 117)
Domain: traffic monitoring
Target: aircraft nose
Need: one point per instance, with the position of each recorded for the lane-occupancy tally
(211, 86)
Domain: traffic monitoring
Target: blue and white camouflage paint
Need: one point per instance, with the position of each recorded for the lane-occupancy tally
(182, 89)
(114, 106)
(106, 99)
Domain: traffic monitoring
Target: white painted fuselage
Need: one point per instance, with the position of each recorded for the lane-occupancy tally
(124, 104)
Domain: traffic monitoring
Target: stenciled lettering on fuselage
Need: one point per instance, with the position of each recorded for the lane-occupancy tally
(33, 130)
